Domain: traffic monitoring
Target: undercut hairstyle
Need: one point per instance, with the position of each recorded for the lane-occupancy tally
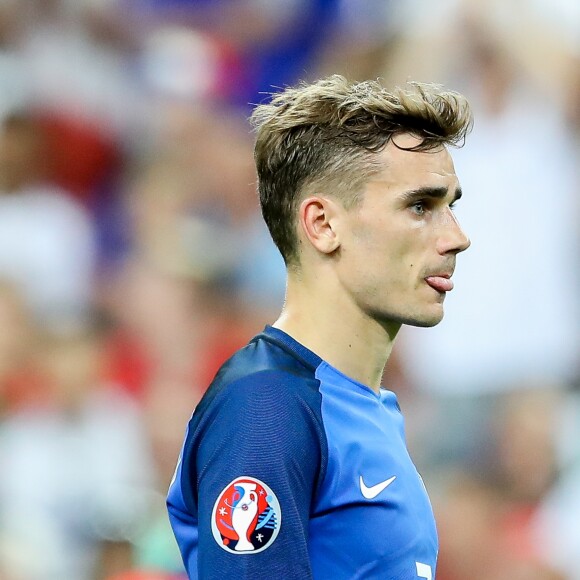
(323, 138)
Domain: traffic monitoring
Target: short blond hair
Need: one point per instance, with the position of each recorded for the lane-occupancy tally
(325, 135)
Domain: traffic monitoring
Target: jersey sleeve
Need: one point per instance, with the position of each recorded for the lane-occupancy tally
(251, 467)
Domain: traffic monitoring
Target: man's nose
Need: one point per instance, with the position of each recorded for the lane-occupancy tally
(453, 239)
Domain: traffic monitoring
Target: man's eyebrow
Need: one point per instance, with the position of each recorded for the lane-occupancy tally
(434, 192)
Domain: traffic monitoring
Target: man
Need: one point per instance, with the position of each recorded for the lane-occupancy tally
(295, 463)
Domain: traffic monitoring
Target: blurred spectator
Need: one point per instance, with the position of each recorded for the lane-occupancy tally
(525, 428)
(468, 515)
(76, 56)
(555, 526)
(488, 510)
(365, 31)
(277, 45)
(79, 156)
(15, 80)
(475, 542)
(46, 239)
(75, 471)
(18, 384)
(23, 387)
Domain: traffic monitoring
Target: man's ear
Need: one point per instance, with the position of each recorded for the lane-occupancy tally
(318, 218)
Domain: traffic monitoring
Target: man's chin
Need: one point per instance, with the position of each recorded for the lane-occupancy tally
(424, 323)
(421, 320)
(426, 320)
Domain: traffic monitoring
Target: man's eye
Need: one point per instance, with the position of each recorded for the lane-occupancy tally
(419, 208)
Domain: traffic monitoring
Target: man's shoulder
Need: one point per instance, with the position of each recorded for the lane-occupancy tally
(259, 367)
(259, 414)
(267, 384)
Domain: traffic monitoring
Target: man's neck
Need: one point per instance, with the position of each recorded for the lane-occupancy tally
(331, 325)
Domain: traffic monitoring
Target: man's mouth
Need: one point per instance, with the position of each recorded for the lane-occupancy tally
(440, 282)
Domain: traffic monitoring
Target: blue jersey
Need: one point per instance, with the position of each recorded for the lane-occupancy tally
(292, 470)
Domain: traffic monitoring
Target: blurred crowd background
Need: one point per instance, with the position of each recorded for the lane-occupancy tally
(133, 262)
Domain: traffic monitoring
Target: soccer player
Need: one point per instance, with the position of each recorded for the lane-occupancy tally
(295, 464)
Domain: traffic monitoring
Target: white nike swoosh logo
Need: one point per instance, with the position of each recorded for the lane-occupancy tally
(374, 490)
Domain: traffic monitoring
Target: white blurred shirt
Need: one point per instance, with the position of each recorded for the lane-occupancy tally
(67, 483)
(47, 250)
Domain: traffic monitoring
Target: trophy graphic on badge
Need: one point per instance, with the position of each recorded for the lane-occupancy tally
(246, 516)
(243, 514)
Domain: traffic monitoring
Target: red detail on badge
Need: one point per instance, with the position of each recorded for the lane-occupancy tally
(246, 516)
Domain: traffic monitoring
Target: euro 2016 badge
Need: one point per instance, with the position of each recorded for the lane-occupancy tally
(246, 517)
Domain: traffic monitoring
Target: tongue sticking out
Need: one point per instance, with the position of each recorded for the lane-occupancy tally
(439, 283)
